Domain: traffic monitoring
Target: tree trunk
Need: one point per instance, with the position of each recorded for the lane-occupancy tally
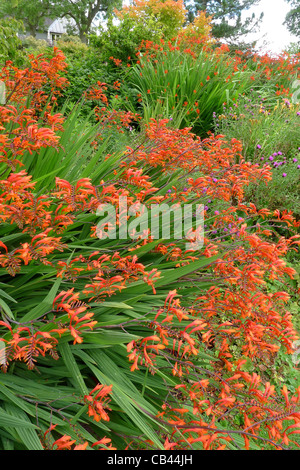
(32, 30)
(82, 35)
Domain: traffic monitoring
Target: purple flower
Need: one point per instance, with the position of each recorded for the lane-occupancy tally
(284, 175)
(259, 146)
(169, 190)
(217, 212)
(295, 160)
(271, 158)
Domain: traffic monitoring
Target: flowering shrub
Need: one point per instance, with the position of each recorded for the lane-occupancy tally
(109, 339)
(38, 80)
(197, 35)
(170, 15)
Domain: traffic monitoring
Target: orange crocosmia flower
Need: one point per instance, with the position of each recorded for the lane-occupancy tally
(98, 402)
(105, 441)
(64, 443)
(81, 446)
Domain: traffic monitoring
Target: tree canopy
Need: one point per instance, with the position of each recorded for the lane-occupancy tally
(293, 18)
(84, 12)
(228, 21)
(33, 13)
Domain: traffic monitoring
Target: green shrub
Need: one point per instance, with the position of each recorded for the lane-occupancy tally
(35, 46)
(11, 45)
(72, 46)
(121, 41)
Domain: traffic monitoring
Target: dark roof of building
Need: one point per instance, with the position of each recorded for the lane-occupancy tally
(48, 22)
